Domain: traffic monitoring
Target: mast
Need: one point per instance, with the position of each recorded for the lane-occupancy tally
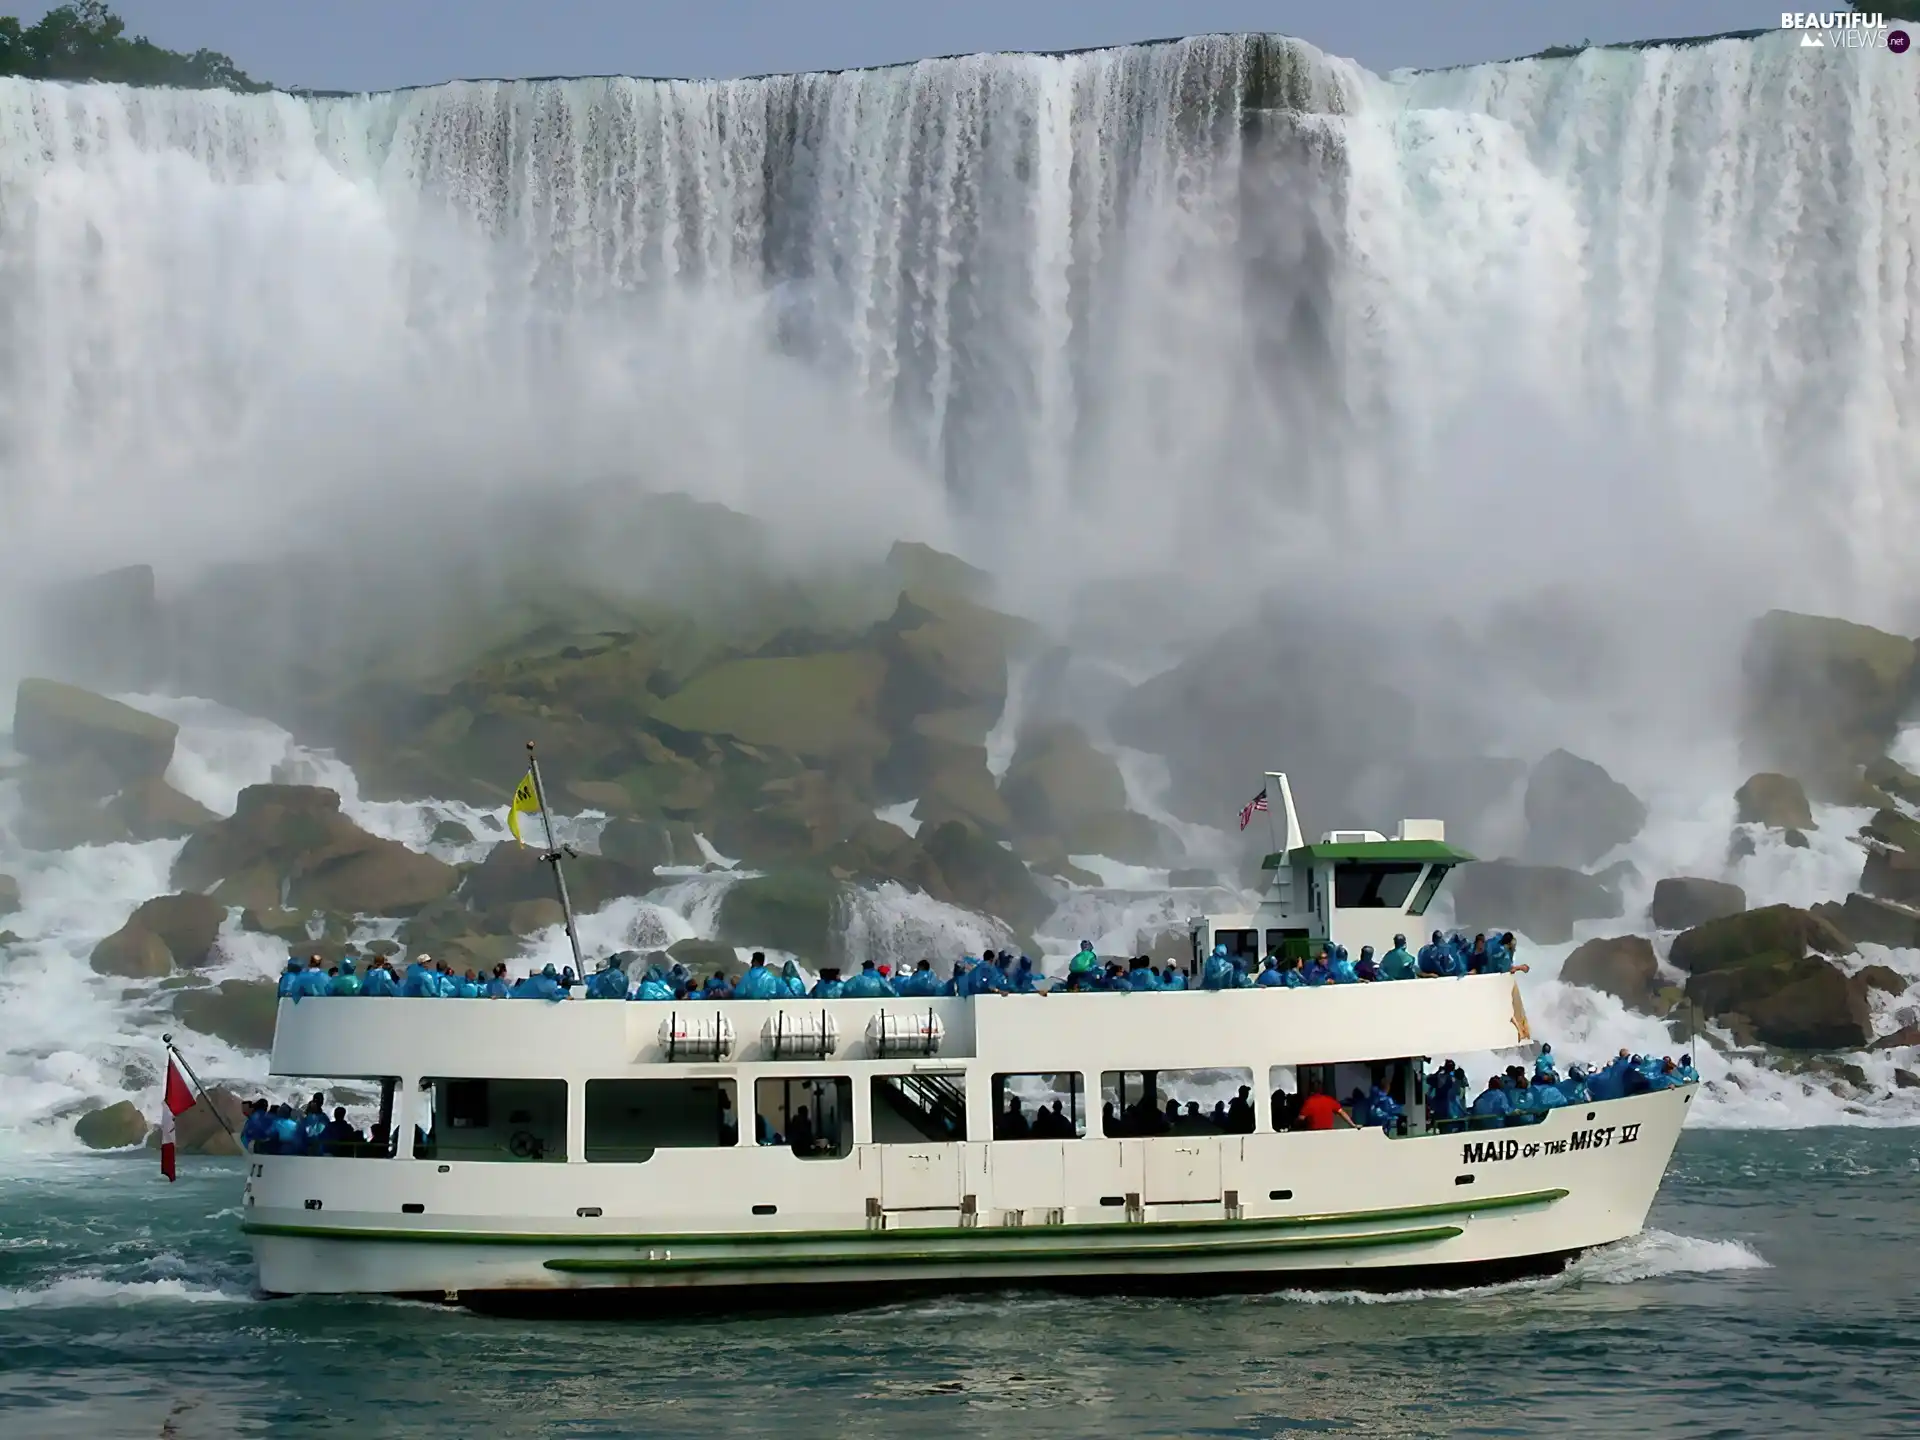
(552, 857)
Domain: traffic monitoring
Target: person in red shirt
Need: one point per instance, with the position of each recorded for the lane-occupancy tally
(1320, 1112)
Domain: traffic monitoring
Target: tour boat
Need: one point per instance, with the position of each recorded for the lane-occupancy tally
(656, 1155)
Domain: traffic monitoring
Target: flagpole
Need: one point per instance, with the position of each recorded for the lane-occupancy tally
(167, 1040)
(552, 857)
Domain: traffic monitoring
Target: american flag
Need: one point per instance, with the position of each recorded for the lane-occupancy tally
(1259, 802)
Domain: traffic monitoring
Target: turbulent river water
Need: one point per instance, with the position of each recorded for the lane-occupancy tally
(1773, 1294)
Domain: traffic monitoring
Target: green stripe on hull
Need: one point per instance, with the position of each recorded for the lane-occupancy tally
(970, 1233)
(1022, 1255)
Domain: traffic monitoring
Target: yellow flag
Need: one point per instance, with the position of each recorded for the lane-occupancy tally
(524, 802)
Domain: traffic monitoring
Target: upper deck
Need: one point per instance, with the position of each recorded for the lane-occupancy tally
(361, 1036)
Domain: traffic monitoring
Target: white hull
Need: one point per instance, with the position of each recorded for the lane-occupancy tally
(1256, 1211)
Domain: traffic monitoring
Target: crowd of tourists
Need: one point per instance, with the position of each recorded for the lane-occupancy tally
(992, 973)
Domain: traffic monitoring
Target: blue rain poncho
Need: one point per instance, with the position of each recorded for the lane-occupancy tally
(379, 981)
(1547, 1096)
(346, 982)
(654, 985)
(824, 989)
(958, 981)
(1085, 960)
(793, 981)
(1432, 960)
(607, 983)
(869, 984)
(1688, 1075)
(1270, 975)
(1397, 964)
(1217, 973)
(988, 979)
(1573, 1089)
(759, 983)
(259, 1125)
(1543, 1063)
(922, 983)
(544, 986)
(1025, 980)
(421, 982)
(1317, 972)
(1493, 1103)
(1176, 979)
(1342, 971)
(290, 979)
(314, 982)
(286, 1135)
(1143, 978)
(1383, 1110)
(1499, 958)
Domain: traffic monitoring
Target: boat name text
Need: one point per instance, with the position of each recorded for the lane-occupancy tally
(1484, 1152)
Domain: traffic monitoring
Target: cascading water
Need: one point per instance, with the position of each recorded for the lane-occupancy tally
(1162, 305)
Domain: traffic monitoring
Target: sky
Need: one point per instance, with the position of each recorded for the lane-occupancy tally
(384, 44)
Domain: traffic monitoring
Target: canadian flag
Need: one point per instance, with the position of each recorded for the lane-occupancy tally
(178, 1100)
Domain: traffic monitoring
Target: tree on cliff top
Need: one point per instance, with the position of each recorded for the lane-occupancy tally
(87, 41)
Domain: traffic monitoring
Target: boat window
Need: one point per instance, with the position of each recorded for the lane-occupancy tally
(812, 1115)
(1288, 942)
(1351, 1083)
(1378, 886)
(355, 1118)
(1039, 1106)
(1429, 888)
(1243, 943)
(513, 1120)
(1176, 1102)
(627, 1120)
(914, 1108)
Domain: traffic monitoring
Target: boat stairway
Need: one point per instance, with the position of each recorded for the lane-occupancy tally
(935, 1105)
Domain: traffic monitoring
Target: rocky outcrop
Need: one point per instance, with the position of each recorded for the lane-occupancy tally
(1867, 921)
(703, 957)
(1684, 901)
(794, 911)
(513, 874)
(62, 725)
(112, 1127)
(293, 838)
(1766, 971)
(1774, 800)
(188, 924)
(1892, 869)
(1623, 966)
(1884, 978)
(1577, 812)
(240, 1012)
(983, 875)
(1893, 780)
(132, 952)
(1541, 902)
(1823, 696)
(199, 1131)
(151, 809)
(9, 895)
(1062, 790)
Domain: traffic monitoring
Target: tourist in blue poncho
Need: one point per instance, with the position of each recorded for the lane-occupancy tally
(544, 986)
(869, 984)
(792, 981)
(829, 986)
(654, 985)
(1493, 1104)
(1217, 974)
(346, 982)
(420, 982)
(1025, 980)
(1340, 970)
(289, 986)
(1270, 976)
(921, 983)
(1319, 970)
(759, 983)
(379, 982)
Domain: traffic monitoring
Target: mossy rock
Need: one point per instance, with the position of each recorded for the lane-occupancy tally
(528, 916)
(112, 1127)
(818, 706)
(794, 910)
(1865, 920)
(1623, 966)
(1823, 695)
(9, 895)
(982, 875)
(915, 566)
(644, 845)
(1577, 812)
(1121, 835)
(450, 833)
(240, 1012)
(133, 953)
(1683, 901)
(511, 873)
(789, 819)
(189, 924)
(1059, 781)
(1771, 934)
(54, 722)
(198, 1131)
(151, 809)
(1893, 779)
(293, 926)
(1883, 978)
(703, 957)
(1891, 827)
(62, 807)
(1892, 875)
(1799, 1002)
(1775, 800)
(957, 785)
(944, 653)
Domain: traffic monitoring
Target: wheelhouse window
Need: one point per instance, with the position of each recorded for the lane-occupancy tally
(1039, 1106)
(627, 1120)
(918, 1107)
(1429, 887)
(506, 1120)
(1382, 885)
(1176, 1102)
(1242, 943)
(811, 1115)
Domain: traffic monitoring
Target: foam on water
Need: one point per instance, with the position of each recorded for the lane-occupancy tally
(89, 1290)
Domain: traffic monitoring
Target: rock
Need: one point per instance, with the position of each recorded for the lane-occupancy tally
(1681, 902)
(642, 844)
(1844, 1071)
(240, 1012)
(133, 953)
(1775, 800)
(921, 567)
(1121, 835)
(1541, 902)
(1906, 1035)
(1893, 779)
(1883, 978)
(952, 782)
(511, 873)
(1618, 876)
(1623, 967)
(1906, 1080)
(1191, 879)
(189, 924)
(450, 832)
(982, 875)
(531, 915)
(9, 895)
(1058, 780)
(605, 795)
(1768, 966)
(789, 818)
(821, 706)
(792, 911)
(1823, 696)
(1741, 847)
(1867, 921)
(1892, 875)
(56, 724)
(943, 652)
(106, 629)
(1773, 932)
(1577, 812)
(113, 1127)
(198, 1131)
(151, 809)
(328, 863)
(293, 926)
(1796, 840)
(703, 957)
(68, 805)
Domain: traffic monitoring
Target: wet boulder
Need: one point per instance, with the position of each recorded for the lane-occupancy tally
(1884, 978)
(511, 874)
(1893, 780)
(1057, 779)
(1777, 801)
(293, 838)
(528, 916)
(1767, 970)
(1681, 902)
(199, 1131)
(1771, 932)
(819, 706)
(1541, 902)
(703, 957)
(189, 924)
(132, 952)
(1823, 696)
(983, 875)
(450, 833)
(112, 1127)
(641, 844)
(151, 809)
(240, 1012)
(1623, 966)
(59, 724)
(1868, 921)
(9, 895)
(1577, 812)
(793, 910)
